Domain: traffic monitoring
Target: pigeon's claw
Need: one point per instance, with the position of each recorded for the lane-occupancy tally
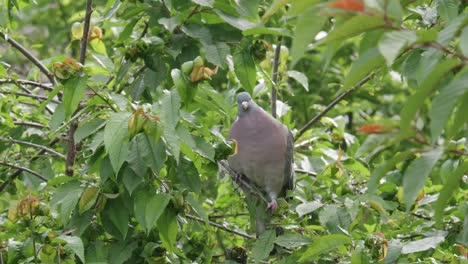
(272, 205)
(238, 178)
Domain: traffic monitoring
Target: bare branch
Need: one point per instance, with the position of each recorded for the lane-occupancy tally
(220, 227)
(44, 86)
(31, 124)
(18, 171)
(23, 169)
(305, 172)
(34, 96)
(30, 57)
(275, 77)
(35, 145)
(243, 184)
(330, 106)
(84, 39)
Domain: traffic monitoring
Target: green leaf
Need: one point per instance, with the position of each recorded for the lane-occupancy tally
(238, 22)
(307, 208)
(292, 241)
(300, 78)
(267, 31)
(188, 175)
(97, 252)
(207, 3)
(447, 9)
(244, 67)
(88, 128)
(74, 244)
(130, 179)
(264, 245)
(197, 207)
(416, 100)
(355, 26)
(379, 172)
(120, 252)
(217, 53)
(127, 31)
(170, 23)
(422, 244)
(51, 96)
(114, 133)
(148, 207)
(248, 8)
(73, 93)
(170, 106)
(443, 104)
(323, 245)
(118, 154)
(308, 24)
(416, 175)
(168, 228)
(394, 251)
(204, 148)
(65, 198)
(117, 214)
(450, 186)
(57, 118)
(392, 43)
(365, 64)
(463, 43)
(88, 199)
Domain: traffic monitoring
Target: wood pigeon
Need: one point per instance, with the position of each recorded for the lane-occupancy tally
(265, 149)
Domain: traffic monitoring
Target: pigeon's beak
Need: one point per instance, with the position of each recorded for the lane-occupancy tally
(245, 105)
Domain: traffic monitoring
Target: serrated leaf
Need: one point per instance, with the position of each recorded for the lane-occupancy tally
(114, 133)
(463, 43)
(292, 241)
(188, 175)
(197, 206)
(443, 104)
(73, 92)
(308, 24)
(217, 53)
(65, 199)
(379, 172)
(51, 96)
(117, 214)
(170, 106)
(120, 252)
(392, 43)
(365, 64)
(421, 245)
(168, 229)
(267, 31)
(88, 128)
(300, 78)
(118, 154)
(323, 245)
(148, 207)
(416, 175)
(416, 100)
(354, 26)
(307, 208)
(88, 199)
(451, 184)
(244, 67)
(237, 22)
(127, 31)
(447, 9)
(131, 180)
(74, 244)
(264, 245)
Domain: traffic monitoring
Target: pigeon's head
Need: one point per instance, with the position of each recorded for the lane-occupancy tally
(244, 103)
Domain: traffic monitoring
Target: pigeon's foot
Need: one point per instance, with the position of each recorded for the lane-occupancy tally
(272, 205)
(238, 178)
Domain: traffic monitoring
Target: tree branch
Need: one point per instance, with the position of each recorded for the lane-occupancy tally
(36, 146)
(27, 123)
(330, 106)
(275, 77)
(245, 186)
(34, 96)
(23, 169)
(19, 170)
(28, 82)
(220, 227)
(305, 172)
(71, 147)
(30, 57)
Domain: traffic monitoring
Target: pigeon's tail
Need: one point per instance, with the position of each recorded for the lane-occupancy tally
(263, 219)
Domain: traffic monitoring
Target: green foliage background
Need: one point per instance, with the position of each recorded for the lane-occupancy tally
(112, 161)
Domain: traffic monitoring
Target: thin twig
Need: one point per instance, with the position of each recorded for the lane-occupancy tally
(34, 96)
(226, 215)
(30, 57)
(23, 169)
(84, 39)
(330, 106)
(36, 146)
(27, 123)
(104, 99)
(275, 77)
(44, 86)
(71, 147)
(18, 171)
(305, 172)
(220, 227)
(243, 184)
